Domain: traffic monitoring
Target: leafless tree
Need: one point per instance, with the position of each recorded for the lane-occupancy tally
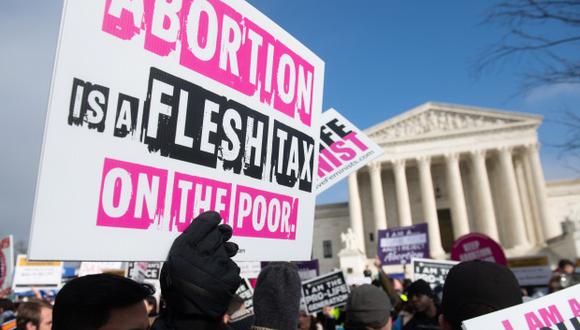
(542, 38)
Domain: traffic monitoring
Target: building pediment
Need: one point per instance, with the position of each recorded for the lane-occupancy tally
(439, 120)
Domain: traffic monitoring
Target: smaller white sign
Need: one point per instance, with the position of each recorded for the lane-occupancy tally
(249, 269)
(6, 261)
(42, 275)
(98, 267)
(557, 311)
(343, 149)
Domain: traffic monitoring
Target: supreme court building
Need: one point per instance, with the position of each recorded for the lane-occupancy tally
(460, 169)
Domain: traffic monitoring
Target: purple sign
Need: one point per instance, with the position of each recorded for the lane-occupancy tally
(476, 246)
(306, 269)
(398, 246)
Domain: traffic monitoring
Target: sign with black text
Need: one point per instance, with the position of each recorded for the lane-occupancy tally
(247, 294)
(326, 290)
(159, 111)
(431, 271)
(343, 149)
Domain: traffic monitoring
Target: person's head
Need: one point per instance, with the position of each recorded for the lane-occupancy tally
(101, 302)
(476, 288)
(6, 305)
(305, 321)
(34, 315)
(368, 307)
(277, 296)
(566, 266)
(555, 284)
(421, 296)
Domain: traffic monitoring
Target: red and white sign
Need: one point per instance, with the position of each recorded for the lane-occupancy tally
(162, 110)
(557, 311)
(343, 149)
(476, 246)
(6, 261)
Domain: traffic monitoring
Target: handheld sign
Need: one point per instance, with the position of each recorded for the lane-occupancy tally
(161, 111)
(557, 311)
(431, 271)
(246, 293)
(6, 262)
(98, 267)
(400, 245)
(476, 246)
(531, 270)
(42, 275)
(326, 290)
(343, 149)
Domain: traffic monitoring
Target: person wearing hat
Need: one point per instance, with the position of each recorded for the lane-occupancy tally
(368, 307)
(476, 288)
(424, 303)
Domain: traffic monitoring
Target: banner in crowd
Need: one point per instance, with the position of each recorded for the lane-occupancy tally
(6, 261)
(343, 149)
(326, 290)
(161, 111)
(476, 246)
(246, 293)
(533, 270)
(306, 269)
(42, 275)
(557, 311)
(98, 267)
(400, 245)
(431, 271)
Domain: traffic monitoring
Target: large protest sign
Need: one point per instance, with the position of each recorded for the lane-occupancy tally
(556, 311)
(6, 261)
(531, 270)
(476, 246)
(343, 149)
(326, 290)
(431, 271)
(42, 275)
(400, 245)
(159, 111)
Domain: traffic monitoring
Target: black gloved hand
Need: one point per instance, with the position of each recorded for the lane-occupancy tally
(199, 276)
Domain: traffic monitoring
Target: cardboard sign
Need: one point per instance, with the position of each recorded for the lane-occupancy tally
(42, 275)
(400, 245)
(326, 290)
(431, 271)
(6, 262)
(159, 112)
(531, 270)
(557, 311)
(476, 246)
(98, 267)
(343, 149)
(247, 294)
(306, 269)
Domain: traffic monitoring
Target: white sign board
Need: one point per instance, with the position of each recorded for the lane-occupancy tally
(98, 267)
(160, 112)
(557, 311)
(6, 261)
(343, 149)
(432, 271)
(36, 274)
(531, 270)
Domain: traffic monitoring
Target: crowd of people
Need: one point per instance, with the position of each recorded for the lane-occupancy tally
(199, 281)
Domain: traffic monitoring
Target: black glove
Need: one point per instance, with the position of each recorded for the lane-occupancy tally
(199, 277)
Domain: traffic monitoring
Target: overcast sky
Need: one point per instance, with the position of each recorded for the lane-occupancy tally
(382, 58)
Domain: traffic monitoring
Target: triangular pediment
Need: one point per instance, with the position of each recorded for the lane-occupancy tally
(440, 120)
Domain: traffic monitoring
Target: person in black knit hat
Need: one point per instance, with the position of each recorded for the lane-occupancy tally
(425, 305)
(277, 297)
(199, 278)
(476, 288)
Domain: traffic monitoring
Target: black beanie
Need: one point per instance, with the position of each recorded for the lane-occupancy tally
(420, 287)
(199, 277)
(277, 297)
